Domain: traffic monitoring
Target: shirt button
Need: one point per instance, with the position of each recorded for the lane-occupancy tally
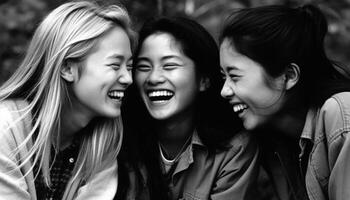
(71, 160)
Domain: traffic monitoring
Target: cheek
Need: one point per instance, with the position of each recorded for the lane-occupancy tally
(244, 89)
(186, 78)
(255, 93)
(97, 80)
(190, 90)
(110, 76)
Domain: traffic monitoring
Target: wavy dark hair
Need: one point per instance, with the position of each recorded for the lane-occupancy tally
(276, 36)
(215, 121)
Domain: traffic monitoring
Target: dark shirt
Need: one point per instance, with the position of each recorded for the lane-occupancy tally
(60, 173)
(280, 158)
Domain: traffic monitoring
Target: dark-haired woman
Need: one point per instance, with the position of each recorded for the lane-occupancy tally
(184, 132)
(282, 85)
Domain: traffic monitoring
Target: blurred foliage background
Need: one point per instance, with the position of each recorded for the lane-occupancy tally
(19, 18)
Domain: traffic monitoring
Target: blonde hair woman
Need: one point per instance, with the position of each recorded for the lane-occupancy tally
(60, 125)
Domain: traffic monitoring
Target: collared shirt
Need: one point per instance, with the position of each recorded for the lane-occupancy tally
(281, 162)
(227, 174)
(60, 173)
(326, 134)
(17, 182)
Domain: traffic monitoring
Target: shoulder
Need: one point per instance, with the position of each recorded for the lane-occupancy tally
(338, 101)
(241, 144)
(337, 106)
(12, 126)
(240, 157)
(8, 107)
(11, 111)
(8, 112)
(242, 140)
(335, 114)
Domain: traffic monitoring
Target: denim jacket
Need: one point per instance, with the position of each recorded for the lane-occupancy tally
(325, 133)
(322, 168)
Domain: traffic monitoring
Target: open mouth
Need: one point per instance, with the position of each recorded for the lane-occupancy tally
(239, 108)
(116, 94)
(160, 95)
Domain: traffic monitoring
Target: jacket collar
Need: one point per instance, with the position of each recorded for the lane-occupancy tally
(186, 159)
(196, 140)
(308, 133)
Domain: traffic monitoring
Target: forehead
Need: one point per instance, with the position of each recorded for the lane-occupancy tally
(227, 48)
(161, 42)
(116, 38)
(231, 59)
(115, 44)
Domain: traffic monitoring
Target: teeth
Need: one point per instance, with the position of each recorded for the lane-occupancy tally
(116, 94)
(160, 93)
(239, 107)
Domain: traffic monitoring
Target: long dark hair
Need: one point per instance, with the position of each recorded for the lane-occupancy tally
(215, 122)
(276, 36)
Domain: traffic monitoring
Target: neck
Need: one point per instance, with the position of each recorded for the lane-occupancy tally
(291, 123)
(72, 121)
(173, 134)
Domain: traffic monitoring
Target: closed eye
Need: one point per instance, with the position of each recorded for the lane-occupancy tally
(234, 77)
(129, 66)
(142, 67)
(115, 66)
(170, 66)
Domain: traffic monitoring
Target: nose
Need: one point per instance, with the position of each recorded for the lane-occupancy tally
(227, 90)
(125, 76)
(156, 76)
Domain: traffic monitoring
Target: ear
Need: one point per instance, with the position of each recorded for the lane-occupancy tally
(204, 84)
(68, 72)
(292, 75)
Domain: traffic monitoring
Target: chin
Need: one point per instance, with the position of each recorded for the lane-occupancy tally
(250, 125)
(110, 114)
(158, 113)
(159, 116)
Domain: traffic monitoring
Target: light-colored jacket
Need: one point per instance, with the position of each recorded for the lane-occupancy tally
(325, 151)
(18, 183)
(328, 170)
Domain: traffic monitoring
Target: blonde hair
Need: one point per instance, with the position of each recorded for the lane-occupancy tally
(68, 33)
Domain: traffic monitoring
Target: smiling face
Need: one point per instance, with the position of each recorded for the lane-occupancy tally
(254, 98)
(106, 73)
(166, 78)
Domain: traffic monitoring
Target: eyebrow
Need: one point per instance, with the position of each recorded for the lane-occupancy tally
(138, 59)
(118, 56)
(144, 58)
(171, 56)
(232, 68)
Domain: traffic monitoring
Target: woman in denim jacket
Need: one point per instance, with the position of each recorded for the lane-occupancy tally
(282, 85)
